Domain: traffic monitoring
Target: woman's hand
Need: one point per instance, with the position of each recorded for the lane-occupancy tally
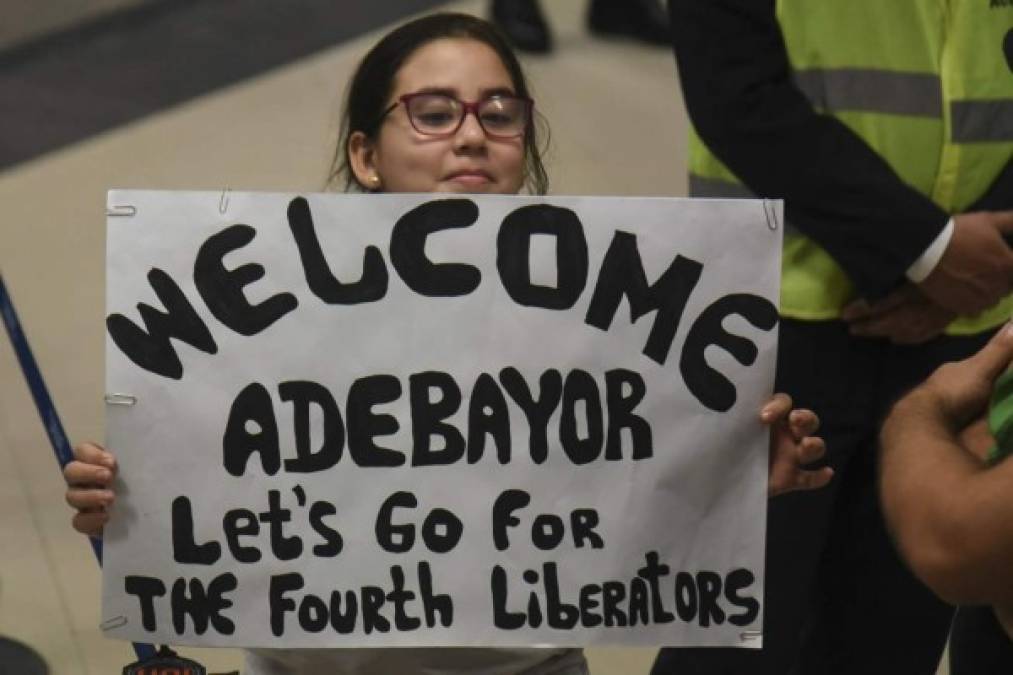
(792, 447)
(89, 487)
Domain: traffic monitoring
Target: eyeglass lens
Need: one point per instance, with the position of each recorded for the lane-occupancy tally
(440, 114)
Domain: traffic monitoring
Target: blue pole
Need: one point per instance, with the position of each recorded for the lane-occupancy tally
(47, 411)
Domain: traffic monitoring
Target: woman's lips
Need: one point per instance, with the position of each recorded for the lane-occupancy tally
(470, 178)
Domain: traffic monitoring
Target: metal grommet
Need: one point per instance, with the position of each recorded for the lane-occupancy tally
(115, 622)
(121, 211)
(121, 399)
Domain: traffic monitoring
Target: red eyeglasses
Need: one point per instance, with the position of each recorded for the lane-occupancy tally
(500, 116)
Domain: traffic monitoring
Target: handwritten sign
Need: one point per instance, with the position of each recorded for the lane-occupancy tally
(381, 420)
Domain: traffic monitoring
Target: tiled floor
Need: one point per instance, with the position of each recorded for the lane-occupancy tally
(618, 128)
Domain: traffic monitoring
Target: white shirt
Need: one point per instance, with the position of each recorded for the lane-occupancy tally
(927, 261)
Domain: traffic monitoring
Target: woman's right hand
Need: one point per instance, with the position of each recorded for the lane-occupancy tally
(89, 487)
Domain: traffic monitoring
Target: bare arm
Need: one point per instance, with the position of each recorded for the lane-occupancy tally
(951, 516)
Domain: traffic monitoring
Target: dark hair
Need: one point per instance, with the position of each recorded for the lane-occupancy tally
(370, 87)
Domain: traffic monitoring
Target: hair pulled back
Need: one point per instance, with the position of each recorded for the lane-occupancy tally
(371, 86)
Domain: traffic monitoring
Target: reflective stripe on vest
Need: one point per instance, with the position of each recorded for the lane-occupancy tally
(981, 121)
(911, 94)
(868, 90)
(925, 83)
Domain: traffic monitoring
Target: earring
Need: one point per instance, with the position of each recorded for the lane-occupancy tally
(375, 180)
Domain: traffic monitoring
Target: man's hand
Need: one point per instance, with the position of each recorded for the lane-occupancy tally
(976, 269)
(960, 390)
(905, 317)
(977, 439)
(951, 514)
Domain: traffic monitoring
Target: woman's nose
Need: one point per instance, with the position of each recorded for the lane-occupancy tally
(470, 133)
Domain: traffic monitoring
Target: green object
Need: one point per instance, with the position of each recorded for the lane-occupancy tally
(924, 83)
(1000, 418)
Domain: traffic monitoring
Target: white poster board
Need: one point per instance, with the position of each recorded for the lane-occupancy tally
(382, 420)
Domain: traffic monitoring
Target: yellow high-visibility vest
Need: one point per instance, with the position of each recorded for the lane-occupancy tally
(925, 83)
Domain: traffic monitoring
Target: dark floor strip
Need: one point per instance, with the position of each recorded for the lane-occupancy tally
(63, 88)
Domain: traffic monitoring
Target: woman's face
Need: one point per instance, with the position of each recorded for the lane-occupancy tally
(400, 159)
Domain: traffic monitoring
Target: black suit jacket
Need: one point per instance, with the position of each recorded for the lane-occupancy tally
(741, 98)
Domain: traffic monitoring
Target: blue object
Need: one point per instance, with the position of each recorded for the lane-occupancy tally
(47, 411)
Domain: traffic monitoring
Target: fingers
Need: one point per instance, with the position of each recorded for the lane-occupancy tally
(788, 474)
(916, 335)
(910, 324)
(89, 478)
(90, 523)
(777, 407)
(92, 509)
(995, 357)
(93, 466)
(803, 423)
(1003, 221)
(93, 453)
(858, 309)
(862, 309)
(793, 448)
(79, 474)
(914, 331)
(976, 268)
(875, 327)
(812, 480)
(88, 499)
(811, 449)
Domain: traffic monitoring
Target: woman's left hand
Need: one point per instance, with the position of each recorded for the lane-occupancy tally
(792, 447)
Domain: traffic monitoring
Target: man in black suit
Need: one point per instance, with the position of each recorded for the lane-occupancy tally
(858, 115)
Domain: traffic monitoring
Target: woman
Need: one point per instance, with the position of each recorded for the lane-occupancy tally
(441, 105)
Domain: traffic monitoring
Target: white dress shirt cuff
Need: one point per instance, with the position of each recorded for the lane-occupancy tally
(922, 267)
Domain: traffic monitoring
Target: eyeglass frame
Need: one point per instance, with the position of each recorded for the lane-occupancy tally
(469, 107)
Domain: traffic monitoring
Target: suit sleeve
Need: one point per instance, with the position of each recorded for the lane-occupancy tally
(742, 101)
